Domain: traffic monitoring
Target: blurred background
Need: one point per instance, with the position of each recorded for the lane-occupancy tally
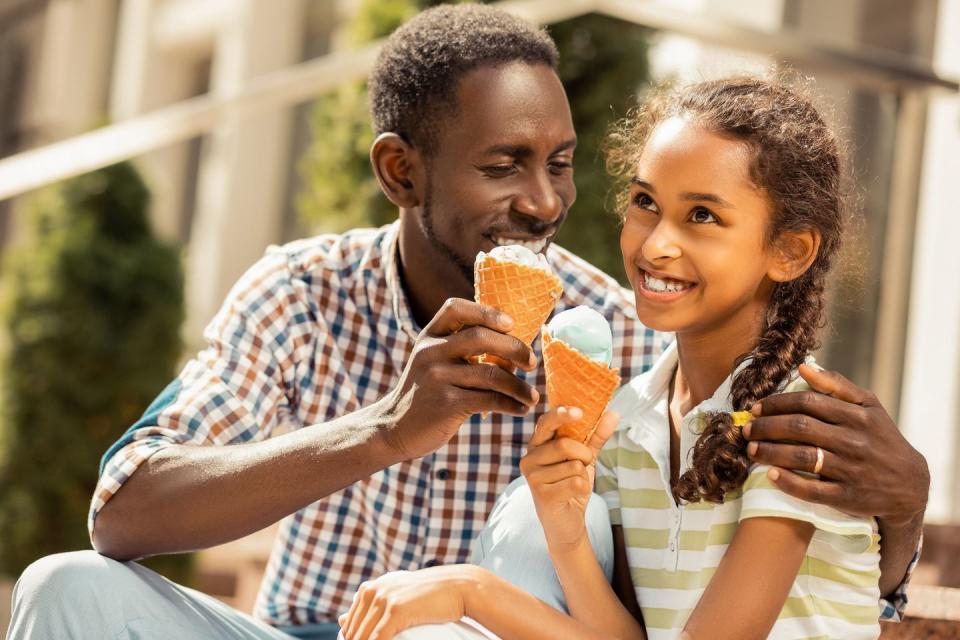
(150, 150)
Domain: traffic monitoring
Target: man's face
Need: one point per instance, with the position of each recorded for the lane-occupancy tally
(502, 171)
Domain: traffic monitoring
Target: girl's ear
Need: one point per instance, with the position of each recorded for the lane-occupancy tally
(795, 251)
(397, 166)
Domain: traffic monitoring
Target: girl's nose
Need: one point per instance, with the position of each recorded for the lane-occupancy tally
(660, 245)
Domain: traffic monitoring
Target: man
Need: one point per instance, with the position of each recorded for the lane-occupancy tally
(337, 372)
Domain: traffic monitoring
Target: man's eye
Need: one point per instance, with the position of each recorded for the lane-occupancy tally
(560, 166)
(499, 170)
(644, 201)
(703, 216)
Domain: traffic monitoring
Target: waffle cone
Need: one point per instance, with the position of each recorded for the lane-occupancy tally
(574, 380)
(526, 294)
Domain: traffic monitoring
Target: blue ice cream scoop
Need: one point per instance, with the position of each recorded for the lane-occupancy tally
(586, 331)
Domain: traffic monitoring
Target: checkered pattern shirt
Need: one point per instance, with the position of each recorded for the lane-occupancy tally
(315, 330)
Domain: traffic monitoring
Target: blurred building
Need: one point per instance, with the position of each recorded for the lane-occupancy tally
(220, 71)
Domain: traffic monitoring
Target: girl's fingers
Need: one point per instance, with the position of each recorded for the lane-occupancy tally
(551, 421)
(370, 619)
(386, 628)
(605, 428)
(556, 451)
(556, 473)
(361, 600)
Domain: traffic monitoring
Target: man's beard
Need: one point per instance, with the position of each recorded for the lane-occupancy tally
(465, 267)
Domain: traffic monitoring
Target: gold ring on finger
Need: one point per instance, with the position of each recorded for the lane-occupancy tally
(817, 467)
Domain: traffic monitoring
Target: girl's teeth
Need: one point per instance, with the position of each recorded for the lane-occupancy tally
(656, 284)
(535, 246)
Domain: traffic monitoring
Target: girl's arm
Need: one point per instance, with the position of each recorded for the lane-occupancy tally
(590, 598)
(748, 590)
(560, 473)
(383, 607)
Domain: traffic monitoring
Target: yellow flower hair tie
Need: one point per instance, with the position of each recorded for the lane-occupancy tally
(741, 418)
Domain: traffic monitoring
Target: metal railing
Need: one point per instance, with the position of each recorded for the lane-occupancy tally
(35, 168)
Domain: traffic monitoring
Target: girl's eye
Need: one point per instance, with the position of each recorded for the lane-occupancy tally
(644, 201)
(703, 216)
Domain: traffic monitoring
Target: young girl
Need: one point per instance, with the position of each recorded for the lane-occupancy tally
(733, 217)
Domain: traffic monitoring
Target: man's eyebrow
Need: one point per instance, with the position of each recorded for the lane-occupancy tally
(522, 150)
(688, 195)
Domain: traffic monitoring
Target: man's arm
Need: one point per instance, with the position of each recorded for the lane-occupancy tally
(188, 497)
(868, 468)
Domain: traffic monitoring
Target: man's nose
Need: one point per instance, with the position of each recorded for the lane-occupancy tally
(539, 198)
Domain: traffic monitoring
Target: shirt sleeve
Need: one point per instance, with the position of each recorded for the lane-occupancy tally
(892, 608)
(240, 388)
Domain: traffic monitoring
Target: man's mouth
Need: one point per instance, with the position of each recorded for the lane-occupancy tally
(536, 245)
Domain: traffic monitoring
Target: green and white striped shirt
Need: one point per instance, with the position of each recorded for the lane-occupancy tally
(674, 550)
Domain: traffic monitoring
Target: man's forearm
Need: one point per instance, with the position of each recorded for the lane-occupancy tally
(186, 497)
(898, 542)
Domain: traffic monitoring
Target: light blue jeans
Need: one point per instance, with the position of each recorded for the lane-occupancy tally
(83, 595)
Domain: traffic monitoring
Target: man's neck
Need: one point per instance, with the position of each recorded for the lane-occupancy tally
(427, 281)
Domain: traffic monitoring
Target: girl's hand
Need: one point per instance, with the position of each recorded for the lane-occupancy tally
(396, 601)
(560, 474)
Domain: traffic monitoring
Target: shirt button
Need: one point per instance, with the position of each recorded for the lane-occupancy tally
(673, 547)
(443, 474)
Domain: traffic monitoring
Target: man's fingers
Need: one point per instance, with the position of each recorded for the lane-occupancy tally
(457, 313)
(484, 377)
(835, 384)
(605, 428)
(813, 405)
(795, 457)
(793, 428)
(477, 401)
(474, 341)
(808, 489)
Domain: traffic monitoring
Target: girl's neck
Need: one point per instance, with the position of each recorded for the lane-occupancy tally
(707, 358)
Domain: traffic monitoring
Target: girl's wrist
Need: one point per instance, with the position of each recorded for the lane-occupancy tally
(477, 590)
(560, 549)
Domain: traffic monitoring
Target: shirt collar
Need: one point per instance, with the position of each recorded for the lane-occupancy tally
(397, 296)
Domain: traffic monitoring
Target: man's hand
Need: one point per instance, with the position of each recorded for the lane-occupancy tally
(868, 468)
(439, 388)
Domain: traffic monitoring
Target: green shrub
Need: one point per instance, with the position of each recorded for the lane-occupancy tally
(92, 308)
(603, 62)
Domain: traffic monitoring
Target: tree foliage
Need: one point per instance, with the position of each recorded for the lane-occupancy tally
(603, 63)
(92, 307)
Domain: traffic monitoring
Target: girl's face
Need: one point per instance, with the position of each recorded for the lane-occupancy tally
(694, 235)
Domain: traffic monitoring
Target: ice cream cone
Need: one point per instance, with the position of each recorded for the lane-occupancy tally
(575, 380)
(527, 294)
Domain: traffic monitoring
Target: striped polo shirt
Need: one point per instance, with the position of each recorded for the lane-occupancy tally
(673, 550)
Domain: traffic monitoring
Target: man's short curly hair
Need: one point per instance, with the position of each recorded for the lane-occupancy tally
(414, 81)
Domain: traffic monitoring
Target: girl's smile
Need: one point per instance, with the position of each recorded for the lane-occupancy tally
(694, 235)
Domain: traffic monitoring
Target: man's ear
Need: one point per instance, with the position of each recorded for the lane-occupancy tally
(397, 166)
(794, 251)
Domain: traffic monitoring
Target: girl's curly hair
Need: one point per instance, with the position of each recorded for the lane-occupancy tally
(797, 163)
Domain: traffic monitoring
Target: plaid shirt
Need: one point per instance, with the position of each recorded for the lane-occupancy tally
(315, 330)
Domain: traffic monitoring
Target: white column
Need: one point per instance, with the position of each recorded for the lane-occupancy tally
(930, 401)
(146, 77)
(245, 166)
(74, 68)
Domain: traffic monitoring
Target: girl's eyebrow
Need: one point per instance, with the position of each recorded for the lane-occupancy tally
(689, 195)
